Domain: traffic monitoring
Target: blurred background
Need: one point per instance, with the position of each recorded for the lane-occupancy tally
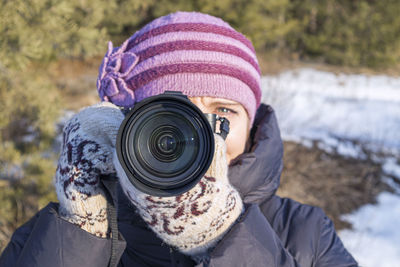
(331, 71)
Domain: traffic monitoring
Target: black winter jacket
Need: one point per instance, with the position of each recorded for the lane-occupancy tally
(273, 231)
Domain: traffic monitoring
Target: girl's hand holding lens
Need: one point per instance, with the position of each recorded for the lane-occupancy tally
(193, 221)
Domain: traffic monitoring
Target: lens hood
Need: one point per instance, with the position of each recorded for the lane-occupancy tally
(165, 144)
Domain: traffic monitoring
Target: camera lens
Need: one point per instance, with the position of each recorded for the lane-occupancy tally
(165, 145)
(152, 147)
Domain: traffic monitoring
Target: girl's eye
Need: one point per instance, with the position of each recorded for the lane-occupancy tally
(224, 110)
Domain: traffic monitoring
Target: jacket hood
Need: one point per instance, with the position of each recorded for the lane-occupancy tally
(256, 173)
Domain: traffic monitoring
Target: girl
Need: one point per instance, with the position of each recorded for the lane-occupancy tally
(232, 217)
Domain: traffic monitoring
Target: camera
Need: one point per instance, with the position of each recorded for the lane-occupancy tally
(166, 144)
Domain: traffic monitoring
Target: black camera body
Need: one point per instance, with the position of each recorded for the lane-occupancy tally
(166, 144)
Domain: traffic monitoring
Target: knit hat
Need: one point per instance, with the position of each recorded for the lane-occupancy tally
(191, 52)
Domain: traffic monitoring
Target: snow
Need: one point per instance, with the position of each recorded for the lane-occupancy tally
(319, 105)
(375, 241)
(392, 167)
(349, 114)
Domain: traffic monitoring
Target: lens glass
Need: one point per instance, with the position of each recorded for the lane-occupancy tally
(166, 144)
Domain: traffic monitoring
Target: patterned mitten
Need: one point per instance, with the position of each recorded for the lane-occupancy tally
(193, 221)
(87, 150)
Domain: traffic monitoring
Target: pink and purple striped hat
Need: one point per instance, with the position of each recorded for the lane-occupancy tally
(191, 52)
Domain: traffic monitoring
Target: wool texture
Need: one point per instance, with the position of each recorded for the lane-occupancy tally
(196, 220)
(192, 222)
(171, 52)
(86, 154)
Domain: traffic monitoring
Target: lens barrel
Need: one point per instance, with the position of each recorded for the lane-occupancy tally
(165, 144)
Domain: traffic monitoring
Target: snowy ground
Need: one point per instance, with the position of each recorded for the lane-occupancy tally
(349, 113)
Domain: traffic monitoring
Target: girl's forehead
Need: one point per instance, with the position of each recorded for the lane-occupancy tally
(206, 100)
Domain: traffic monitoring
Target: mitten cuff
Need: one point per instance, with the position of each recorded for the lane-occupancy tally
(89, 214)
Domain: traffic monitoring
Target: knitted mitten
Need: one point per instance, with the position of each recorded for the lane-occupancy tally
(193, 221)
(87, 150)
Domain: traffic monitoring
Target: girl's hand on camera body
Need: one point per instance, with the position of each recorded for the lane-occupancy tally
(86, 154)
